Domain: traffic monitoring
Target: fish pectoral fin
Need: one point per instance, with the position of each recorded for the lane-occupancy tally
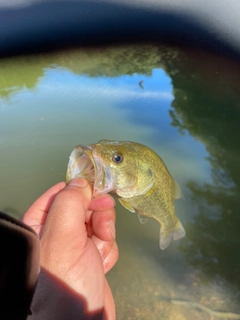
(142, 219)
(175, 233)
(138, 190)
(126, 205)
(178, 194)
(144, 184)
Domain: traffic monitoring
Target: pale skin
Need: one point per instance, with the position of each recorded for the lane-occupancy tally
(78, 247)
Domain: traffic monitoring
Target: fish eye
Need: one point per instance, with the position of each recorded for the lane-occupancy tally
(117, 157)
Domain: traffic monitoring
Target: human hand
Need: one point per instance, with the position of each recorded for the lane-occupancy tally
(77, 240)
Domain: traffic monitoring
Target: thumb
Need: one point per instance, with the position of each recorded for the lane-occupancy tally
(67, 214)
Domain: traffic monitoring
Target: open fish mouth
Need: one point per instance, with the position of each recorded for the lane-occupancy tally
(84, 162)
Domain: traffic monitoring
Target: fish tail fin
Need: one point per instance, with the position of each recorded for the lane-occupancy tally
(175, 233)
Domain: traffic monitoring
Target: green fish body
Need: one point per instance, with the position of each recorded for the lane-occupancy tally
(139, 178)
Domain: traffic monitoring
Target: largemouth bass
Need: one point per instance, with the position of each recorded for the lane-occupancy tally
(139, 178)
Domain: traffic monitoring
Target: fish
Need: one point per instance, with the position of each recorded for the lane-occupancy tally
(137, 176)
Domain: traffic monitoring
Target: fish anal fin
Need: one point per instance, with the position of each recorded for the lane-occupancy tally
(178, 194)
(142, 219)
(175, 233)
(179, 232)
(126, 205)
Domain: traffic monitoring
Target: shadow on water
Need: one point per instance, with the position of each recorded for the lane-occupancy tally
(192, 106)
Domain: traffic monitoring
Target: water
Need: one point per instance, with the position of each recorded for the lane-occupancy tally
(182, 103)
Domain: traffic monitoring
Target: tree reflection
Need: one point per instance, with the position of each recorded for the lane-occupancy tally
(214, 235)
(25, 72)
(16, 74)
(206, 105)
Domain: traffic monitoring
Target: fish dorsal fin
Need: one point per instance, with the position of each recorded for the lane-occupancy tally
(178, 194)
(144, 183)
(142, 219)
(126, 205)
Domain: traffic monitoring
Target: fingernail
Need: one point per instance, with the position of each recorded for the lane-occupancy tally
(111, 228)
(79, 182)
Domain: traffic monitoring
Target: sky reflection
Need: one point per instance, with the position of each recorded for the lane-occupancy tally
(65, 108)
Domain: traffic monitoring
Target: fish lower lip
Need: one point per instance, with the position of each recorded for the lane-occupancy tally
(80, 165)
(102, 177)
(84, 162)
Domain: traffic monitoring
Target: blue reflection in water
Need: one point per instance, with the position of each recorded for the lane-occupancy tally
(146, 107)
(93, 103)
(66, 108)
(150, 108)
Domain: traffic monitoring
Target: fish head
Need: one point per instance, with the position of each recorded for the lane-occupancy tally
(111, 166)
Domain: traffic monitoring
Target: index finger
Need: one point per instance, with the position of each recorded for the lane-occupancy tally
(37, 212)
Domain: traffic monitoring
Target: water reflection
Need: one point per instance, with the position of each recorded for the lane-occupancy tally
(214, 119)
(183, 104)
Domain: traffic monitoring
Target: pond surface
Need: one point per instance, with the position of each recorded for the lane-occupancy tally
(185, 104)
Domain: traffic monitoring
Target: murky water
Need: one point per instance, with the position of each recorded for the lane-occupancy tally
(185, 105)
